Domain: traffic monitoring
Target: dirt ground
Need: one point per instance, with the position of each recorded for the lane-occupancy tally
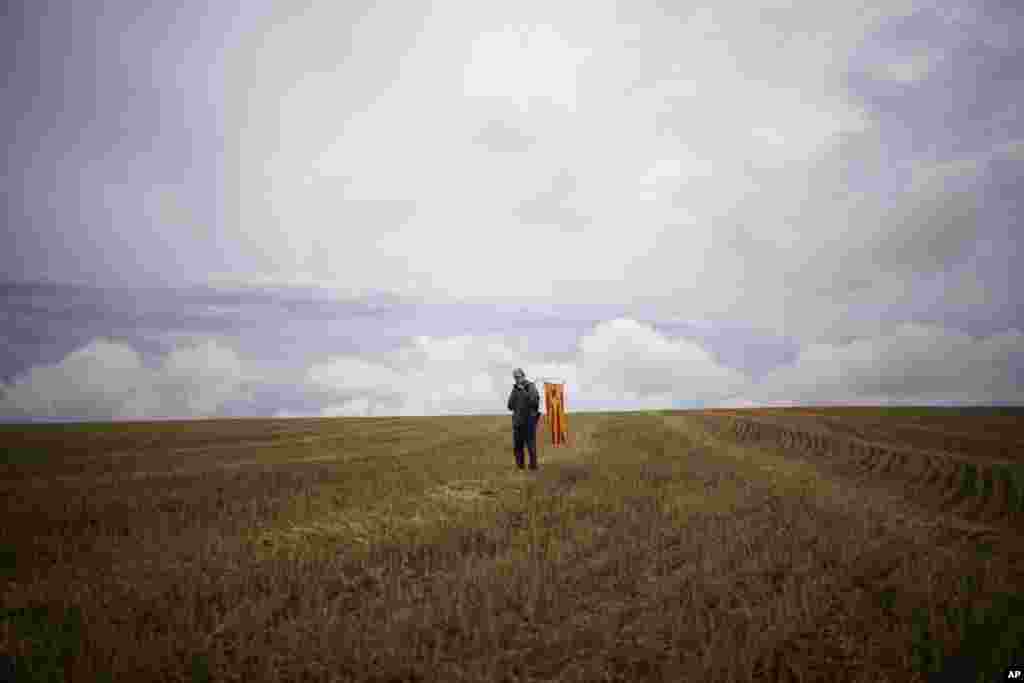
(851, 544)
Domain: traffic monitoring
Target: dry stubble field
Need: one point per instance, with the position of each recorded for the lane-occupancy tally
(765, 545)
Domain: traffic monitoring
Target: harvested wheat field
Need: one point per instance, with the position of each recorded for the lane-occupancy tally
(858, 544)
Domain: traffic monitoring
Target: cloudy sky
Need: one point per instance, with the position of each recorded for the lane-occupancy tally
(382, 208)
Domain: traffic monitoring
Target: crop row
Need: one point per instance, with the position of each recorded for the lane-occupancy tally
(989, 491)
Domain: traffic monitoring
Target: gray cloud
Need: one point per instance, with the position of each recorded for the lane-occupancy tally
(551, 207)
(499, 137)
(788, 176)
(916, 364)
(803, 126)
(49, 321)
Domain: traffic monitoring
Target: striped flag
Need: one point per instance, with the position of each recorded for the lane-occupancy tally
(554, 399)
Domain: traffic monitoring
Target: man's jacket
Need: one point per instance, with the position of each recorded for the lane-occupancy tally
(524, 402)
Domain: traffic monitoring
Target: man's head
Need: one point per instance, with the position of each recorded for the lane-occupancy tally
(518, 375)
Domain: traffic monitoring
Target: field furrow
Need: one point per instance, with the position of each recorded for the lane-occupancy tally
(976, 490)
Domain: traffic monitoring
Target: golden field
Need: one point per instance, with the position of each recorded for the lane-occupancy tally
(857, 544)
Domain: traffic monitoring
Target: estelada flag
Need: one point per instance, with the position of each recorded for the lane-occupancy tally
(554, 399)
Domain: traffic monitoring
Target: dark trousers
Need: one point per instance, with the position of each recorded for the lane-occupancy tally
(525, 435)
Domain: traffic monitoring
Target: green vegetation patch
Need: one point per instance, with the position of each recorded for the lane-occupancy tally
(8, 560)
(992, 637)
(1013, 476)
(24, 456)
(53, 637)
(982, 481)
(969, 483)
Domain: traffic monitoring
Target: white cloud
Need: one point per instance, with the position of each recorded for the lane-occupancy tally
(108, 380)
(96, 381)
(296, 414)
(356, 375)
(358, 407)
(461, 374)
(740, 403)
(524, 62)
(620, 364)
(910, 364)
(626, 356)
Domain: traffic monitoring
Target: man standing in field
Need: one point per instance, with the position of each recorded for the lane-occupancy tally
(524, 402)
